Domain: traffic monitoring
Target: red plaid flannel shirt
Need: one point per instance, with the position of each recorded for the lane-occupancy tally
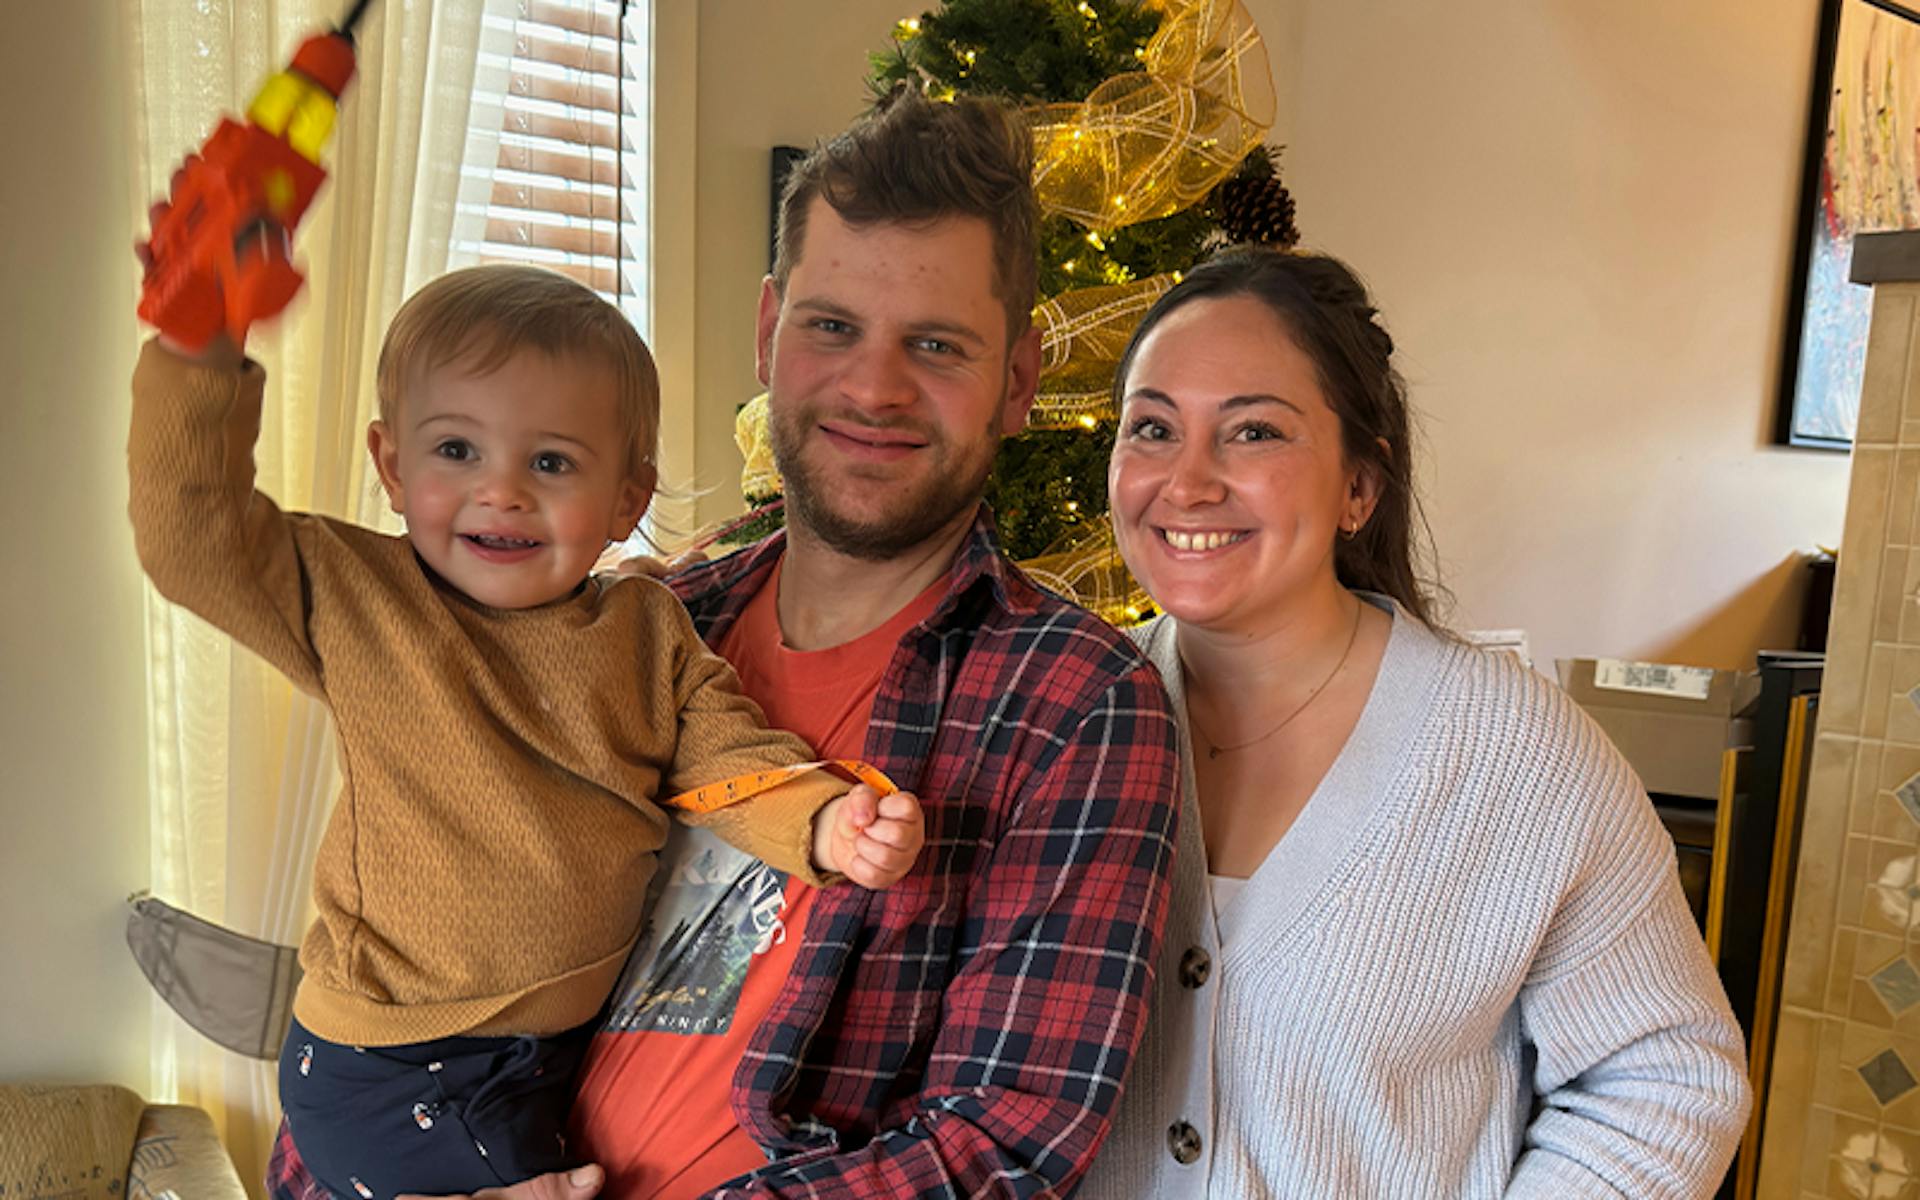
(965, 1032)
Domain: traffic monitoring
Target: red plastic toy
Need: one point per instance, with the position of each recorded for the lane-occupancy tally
(222, 255)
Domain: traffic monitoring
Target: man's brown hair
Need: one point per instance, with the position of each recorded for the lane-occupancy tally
(914, 161)
(480, 317)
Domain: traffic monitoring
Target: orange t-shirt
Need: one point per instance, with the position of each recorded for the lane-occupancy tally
(652, 1106)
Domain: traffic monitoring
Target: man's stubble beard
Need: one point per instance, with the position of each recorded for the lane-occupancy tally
(910, 519)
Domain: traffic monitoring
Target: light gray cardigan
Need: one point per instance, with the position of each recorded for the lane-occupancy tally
(1466, 971)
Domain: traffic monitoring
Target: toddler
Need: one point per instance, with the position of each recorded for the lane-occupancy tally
(507, 720)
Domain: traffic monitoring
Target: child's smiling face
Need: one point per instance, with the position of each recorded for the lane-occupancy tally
(512, 482)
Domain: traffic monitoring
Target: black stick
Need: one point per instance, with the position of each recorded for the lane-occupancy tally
(354, 14)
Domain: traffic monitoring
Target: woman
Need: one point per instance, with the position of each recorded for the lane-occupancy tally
(1427, 938)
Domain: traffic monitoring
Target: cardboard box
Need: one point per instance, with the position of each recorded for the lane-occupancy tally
(1672, 723)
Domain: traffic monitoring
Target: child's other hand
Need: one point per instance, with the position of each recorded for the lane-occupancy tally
(871, 839)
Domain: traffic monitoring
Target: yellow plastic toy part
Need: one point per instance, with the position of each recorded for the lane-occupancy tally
(292, 106)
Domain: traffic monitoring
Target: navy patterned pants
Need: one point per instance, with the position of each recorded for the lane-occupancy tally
(450, 1116)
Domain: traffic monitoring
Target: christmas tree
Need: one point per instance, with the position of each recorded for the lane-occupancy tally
(1122, 216)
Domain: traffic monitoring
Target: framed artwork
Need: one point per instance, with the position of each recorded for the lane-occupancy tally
(1861, 174)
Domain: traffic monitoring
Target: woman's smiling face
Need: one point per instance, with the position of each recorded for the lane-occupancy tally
(1229, 481)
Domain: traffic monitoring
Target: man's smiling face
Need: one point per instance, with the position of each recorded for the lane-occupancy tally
(891, 379)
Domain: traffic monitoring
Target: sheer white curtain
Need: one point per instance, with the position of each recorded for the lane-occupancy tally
(243, 768)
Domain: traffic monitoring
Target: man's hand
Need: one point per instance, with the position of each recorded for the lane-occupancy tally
(871, 839)
(581, 1183)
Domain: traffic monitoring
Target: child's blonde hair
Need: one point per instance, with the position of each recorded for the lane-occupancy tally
(482, 316)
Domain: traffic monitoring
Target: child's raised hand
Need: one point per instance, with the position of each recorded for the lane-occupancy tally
(156, 213)
(221, 351)
(871, 839)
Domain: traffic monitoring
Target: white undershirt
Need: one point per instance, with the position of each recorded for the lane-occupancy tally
(1224, 889)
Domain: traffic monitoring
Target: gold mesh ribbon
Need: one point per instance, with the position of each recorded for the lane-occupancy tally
(1082, 335)
(758, 479)
(1150, 143)
(1085, 567)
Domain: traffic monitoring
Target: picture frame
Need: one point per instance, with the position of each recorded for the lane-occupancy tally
(1859, 174)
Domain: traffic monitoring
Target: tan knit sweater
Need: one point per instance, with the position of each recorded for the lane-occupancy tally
(485, 867)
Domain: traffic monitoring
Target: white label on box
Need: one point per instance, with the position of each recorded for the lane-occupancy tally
(1655, 679)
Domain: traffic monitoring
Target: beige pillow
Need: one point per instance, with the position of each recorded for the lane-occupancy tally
(66, 1141)
(179, 1156)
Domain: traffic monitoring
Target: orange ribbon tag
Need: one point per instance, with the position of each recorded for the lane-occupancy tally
(707, 798)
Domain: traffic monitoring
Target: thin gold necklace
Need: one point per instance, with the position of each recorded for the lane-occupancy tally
(1214, 750)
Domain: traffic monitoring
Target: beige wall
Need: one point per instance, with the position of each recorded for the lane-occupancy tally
(771, 73)
(73, 831)
(1578, 218)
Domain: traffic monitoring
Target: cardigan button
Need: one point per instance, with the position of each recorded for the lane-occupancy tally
(1183, 1140)
(1195, 966)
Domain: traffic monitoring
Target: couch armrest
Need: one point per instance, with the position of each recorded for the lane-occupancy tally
(177, 1153)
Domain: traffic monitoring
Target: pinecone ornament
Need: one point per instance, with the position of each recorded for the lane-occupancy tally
(1257, 209)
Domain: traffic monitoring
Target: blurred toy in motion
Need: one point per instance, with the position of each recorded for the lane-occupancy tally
(221, 257)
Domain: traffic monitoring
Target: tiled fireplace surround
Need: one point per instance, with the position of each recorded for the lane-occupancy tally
(1843, 1108)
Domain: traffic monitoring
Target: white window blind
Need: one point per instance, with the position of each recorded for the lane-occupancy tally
(558, 152)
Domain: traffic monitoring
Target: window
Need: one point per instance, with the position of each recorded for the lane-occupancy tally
(557, 164)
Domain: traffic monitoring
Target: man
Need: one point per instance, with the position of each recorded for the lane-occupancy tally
(966, 1032)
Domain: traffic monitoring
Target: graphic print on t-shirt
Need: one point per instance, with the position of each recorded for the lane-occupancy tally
(653, 1105)
(711, 910)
